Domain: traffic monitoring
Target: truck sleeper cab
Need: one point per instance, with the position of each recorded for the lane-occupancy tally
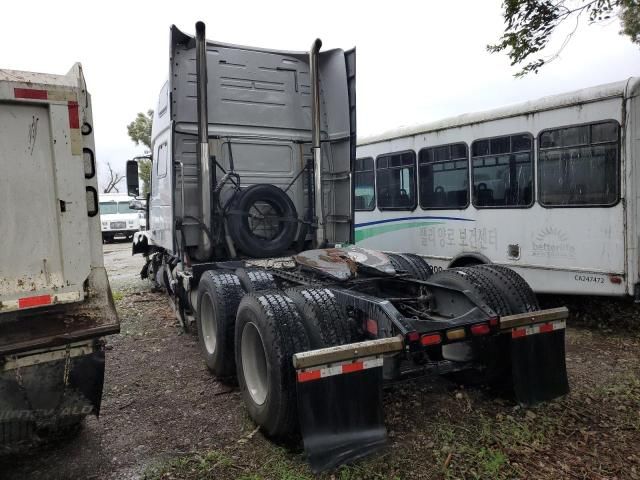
(253, 154)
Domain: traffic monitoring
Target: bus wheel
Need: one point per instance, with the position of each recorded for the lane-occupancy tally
(219, 295)
(325, 322)
(268, 332)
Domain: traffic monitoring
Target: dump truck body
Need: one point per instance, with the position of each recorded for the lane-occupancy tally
(55, 301)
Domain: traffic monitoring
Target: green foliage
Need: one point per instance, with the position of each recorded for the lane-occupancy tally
(140, 132)
(630, 17)
(140, 129)
(530, 25)
(144, 173)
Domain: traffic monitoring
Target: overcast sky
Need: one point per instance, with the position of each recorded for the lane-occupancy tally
(416, 61)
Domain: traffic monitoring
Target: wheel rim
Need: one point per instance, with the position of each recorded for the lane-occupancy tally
(254, 363)
(208, 324)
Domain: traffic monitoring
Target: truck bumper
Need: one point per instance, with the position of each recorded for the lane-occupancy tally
(339, 389)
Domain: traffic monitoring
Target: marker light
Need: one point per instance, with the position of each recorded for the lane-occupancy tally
(456, 334)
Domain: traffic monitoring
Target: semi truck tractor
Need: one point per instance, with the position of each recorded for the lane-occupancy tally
(251, 232)
(55, 302)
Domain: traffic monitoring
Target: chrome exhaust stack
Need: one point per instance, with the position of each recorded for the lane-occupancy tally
(321, 237)
(205, 249)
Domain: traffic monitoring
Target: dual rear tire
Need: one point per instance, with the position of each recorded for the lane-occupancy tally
(414, 265)
(506, 293)
(253, 333)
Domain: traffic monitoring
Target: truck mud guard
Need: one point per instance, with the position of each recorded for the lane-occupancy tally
(339, 393)
(537, 348)
(51, 390)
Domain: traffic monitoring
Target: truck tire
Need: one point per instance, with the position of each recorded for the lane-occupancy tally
(219, 295)
(255, 280)
(246, 236)
(13, 433)
(268, 332)
(420, 269)
(477, 282)
(399, 263)
(325, 322)
(517, 291)
(412, 264)
(492, 352)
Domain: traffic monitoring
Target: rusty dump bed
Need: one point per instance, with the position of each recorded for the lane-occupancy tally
(63, 324)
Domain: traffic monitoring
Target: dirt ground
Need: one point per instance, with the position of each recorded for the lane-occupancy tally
(165, 417)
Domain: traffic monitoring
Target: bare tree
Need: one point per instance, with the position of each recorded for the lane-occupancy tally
(113, 180)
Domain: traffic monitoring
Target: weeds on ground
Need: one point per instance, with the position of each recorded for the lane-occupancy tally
(117, 296)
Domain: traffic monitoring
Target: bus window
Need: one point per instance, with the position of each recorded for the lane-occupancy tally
(579, 166)
(364, 195)
(502, 171)
(396, 181)
(444, 176)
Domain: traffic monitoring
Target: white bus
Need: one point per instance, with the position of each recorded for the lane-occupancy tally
(550, 188)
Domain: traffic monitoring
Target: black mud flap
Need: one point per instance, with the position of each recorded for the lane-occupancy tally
(37, 394)
(538, 365)
(340, 414)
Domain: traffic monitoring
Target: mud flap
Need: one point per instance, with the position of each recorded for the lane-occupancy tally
(340, 412)
(538, 366)
(36, 394)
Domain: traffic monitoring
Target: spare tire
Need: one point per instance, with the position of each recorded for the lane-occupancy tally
(263, 221)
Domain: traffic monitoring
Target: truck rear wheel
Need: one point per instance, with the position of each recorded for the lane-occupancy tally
(219, 295)
(14, 433)
(325, 322)
(268, 332)
(492, 352)
(411, 263)
(255, 280)
(516, 290)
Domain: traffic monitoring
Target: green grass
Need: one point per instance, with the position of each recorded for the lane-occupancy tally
(117, 296)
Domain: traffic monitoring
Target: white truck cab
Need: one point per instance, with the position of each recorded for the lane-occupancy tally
(117, 218)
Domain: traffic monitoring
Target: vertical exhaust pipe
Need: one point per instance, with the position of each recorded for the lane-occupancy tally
(205, 249)
(321, 237)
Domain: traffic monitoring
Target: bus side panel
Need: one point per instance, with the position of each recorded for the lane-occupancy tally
(631, 156)
(578, 250)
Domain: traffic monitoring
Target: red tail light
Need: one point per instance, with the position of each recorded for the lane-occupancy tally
(480, 329)
(493, 321)
(431, 339)
(413, 336)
